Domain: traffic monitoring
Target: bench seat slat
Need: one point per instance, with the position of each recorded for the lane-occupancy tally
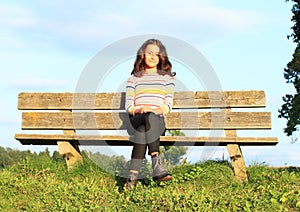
(118, 140)
(174, 120)
(199, 99)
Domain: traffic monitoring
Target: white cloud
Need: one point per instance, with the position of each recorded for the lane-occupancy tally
(98, 27)
(196, 13)
(37, 83)
(216, 17)
(15, 16)
(293, 155)
(81, 25)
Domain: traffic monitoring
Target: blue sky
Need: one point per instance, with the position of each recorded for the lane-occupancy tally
(45, 46)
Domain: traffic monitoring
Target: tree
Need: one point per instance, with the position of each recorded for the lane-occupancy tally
(290, 110)
(173, 154)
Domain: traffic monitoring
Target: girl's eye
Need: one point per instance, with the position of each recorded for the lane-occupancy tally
(151, 54)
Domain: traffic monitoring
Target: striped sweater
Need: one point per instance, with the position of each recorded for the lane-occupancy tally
(151, 89)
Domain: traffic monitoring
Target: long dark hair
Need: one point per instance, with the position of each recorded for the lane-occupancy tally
(163, 67)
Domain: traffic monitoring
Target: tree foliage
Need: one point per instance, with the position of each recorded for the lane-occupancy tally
(9, 156)
(290, 110)
(174, 154)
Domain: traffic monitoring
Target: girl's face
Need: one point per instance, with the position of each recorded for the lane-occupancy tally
(151, 57)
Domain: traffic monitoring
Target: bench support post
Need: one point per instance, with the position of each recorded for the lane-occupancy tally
(70, 152)
(71, 155)
(237, 161)
(236, 155)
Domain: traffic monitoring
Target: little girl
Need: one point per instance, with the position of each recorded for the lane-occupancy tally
(149, 97)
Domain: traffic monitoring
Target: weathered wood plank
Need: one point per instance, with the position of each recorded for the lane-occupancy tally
(218, 99)
(99, 101)
(68, 101)
(120, 140)
(119, 120)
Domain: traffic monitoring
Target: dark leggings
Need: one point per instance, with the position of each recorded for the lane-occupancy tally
(148, 127)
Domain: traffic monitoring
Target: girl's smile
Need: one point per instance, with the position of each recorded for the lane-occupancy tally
(151, 57)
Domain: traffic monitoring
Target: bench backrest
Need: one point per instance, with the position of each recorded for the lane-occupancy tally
(105, 111)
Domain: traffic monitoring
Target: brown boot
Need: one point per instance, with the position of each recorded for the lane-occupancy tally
(131, 180)
(160, 173)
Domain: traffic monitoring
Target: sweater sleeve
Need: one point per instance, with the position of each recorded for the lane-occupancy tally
(129, 99)
(168, 102)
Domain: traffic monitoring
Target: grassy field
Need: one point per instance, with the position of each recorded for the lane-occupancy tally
(41, 183)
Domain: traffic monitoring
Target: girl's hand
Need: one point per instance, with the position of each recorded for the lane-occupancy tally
(137, 111)
(157, 111)
(146, 109)
(143, 109)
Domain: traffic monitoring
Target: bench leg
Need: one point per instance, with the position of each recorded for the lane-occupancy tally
(238, 162)
(71, 154)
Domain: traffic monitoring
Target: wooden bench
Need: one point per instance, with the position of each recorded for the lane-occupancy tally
(192, 112)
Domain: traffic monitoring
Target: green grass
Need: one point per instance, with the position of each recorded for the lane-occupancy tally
(43, 184)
